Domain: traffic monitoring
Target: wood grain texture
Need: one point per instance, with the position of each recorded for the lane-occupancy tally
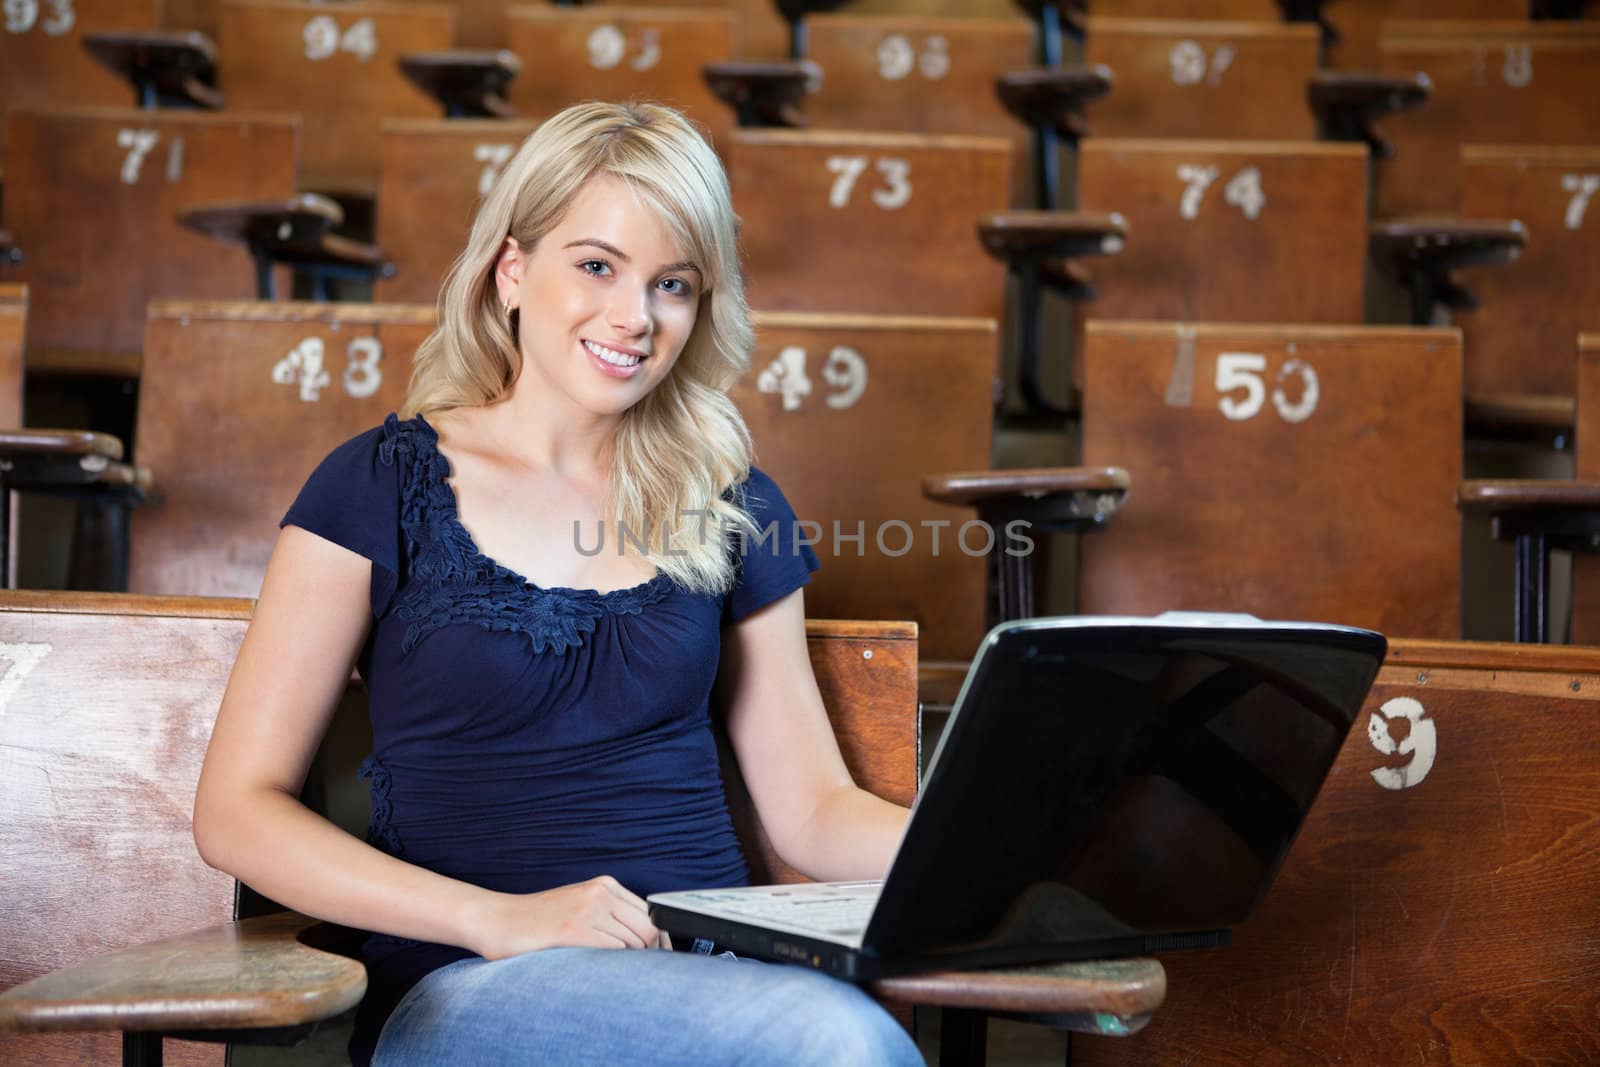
(1359, 22)
(104, 723)
(1520, 339)
(13, 327)
(571, 54)
(920, 74)
(1203, 78)
(1451, 922)
(213, 531)
(341, 97)
(862, 465)
(1347, 516)
(430, 181)
(920, 257)
(1525, 83)
(1301, 259)
(1128, 989)
(99, 249)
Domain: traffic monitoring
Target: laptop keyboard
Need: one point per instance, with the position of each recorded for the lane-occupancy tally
(823, 908)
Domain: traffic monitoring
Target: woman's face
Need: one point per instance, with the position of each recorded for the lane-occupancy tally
(607, 299)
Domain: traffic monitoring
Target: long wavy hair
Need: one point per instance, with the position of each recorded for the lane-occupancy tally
(680, 450)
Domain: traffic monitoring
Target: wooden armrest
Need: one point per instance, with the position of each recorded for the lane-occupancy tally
(1565, 513)
(1520, 416)
(252, 222)
(70, 460)
(1346, 102)
(1422, 252)
(332, 250)
(1021, 237)
(257, 973)
(1058, 498)
(468, 83)
(166, 69)
(1113, 997)
(765, 92)
(1054, 96)
(17, 445)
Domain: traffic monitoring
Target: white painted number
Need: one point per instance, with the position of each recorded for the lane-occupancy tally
(845, 371)
(61, 20)
(1197, 180)
(21, 15)
(1582, 187)
(361, 375)
(1245, 370)
(304, 365)
(608, 47)
(787, 375)
(1191, 66)
(1518, 67)
(23, 657)
(1243, 190)
(847, 169)
(493, 157)
(1421, 743)
(323, 38)
(898, 57)
(138, 143)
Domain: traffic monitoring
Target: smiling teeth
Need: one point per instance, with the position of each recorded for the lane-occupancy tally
(611, 356)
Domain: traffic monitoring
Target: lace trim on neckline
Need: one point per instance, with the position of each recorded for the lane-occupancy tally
(451, 581)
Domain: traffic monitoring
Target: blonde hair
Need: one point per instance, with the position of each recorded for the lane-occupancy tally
(684, 445)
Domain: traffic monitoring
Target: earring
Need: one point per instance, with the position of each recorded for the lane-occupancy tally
(507, 305)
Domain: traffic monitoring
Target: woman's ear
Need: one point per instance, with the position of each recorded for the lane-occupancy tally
(508, 271)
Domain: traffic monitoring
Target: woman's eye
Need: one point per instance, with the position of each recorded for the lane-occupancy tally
(675, 286)
(595, 266)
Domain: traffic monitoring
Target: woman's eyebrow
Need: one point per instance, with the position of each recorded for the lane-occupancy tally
(606, 246)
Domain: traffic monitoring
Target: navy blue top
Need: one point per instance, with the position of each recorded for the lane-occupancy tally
(526, 738)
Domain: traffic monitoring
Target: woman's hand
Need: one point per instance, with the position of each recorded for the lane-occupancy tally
(599, 913)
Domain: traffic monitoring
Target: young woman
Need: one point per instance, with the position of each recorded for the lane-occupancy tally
(543, 757)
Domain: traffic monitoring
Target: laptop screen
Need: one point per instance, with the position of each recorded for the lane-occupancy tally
(1118, 778)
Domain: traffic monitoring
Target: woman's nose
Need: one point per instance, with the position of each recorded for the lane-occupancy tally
(629, 309)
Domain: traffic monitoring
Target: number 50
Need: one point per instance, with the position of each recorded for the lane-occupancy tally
(1243, 370)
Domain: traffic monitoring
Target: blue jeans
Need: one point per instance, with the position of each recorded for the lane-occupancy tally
(638, 1006)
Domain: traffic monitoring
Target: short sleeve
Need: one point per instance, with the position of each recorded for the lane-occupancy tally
(777, 559)
(353, 500)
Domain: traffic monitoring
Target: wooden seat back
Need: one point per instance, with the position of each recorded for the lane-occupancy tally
(297, 380)
(1438, 904)
(335, 65)
(1359, 22)
(106, 708)
(1203, 78)
(761, 30)
(1519, 339)
(431, 175)
(1525, 83)
(919, 74)
(848, 414)
(1292, 472)
(1229, 231)
(874, 223)
(570, 54)
(13, 324)
(42, 59)
(1228, 10)
(90, 197)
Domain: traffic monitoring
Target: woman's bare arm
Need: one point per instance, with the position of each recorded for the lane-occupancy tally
(819, 821)
(293, 666)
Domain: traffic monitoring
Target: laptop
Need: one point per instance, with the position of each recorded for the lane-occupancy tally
(1104, 787)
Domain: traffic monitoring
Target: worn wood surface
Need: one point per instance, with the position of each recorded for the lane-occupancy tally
(1525, 83)
(1203, 78)
(431, 176)
(213, 530)
(99, 247)
(846, 462)
(903, 245)
(1301, 257)
(920, 74)
(867, 673)
(274, 59)
(1127, 989)
(1520, 339)
(105, 719)
(1450, 921)
(13, 324)
(1358, 22)
(1258, 491)
(43, 62)
(571, 54)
